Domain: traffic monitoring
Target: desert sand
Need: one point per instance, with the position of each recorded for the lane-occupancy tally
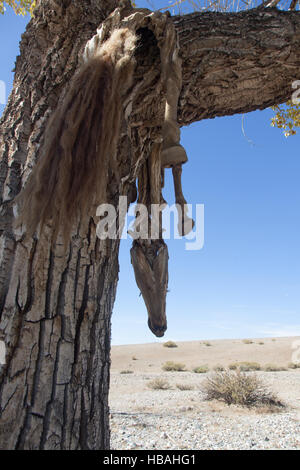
(150, 357)
(143, 418)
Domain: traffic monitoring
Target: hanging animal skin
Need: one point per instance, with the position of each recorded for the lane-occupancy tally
(150, 262)
(81, 139)
(150, 257)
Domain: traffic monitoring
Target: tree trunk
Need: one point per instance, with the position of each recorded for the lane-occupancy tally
(56, 306)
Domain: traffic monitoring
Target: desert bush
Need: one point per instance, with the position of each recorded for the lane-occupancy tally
(170, 344)
(238, 388)
(201, 369)
(127, 371)
(248, 366)
(218, 368)
(171, 366)
(134, 358)
(274, 368)
(159, 384)
(247, 341)
(206, 343)
(245, 366)
(294, 365)
(260, 342)
(184, 387)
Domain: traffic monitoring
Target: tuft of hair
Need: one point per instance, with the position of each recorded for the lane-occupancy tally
(80, 142)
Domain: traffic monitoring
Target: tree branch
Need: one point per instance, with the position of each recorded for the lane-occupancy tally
(237, 62)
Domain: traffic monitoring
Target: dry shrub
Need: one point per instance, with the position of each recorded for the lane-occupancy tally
(170, 344)
(294, 365)
(245, 366)
(238, 388)
(274, 368)
(247, 341)
(127, 371)
(171, 366)
(159, 384)
(249, 366)
(184, 387)
(201, 369)
(218, 368)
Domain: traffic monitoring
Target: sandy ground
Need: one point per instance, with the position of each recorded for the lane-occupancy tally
(151, 357)
(143, 418)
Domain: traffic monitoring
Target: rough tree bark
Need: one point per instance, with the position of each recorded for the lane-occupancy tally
(56, 306)
(56, 324)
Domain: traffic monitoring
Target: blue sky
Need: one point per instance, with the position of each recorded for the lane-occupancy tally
(245, 282)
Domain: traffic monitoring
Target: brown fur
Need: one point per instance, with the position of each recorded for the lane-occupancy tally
(80, 142)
